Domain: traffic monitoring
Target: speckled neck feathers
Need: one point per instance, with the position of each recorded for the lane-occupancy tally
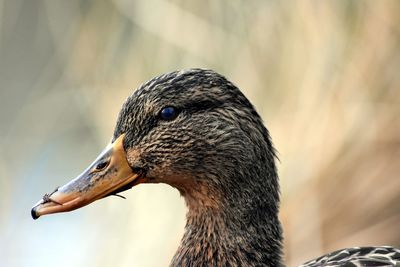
(236, 226)
(218, 238)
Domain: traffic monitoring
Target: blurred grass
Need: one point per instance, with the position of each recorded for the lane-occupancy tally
(324, 76)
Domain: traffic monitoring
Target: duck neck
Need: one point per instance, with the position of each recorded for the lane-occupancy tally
(236, 230)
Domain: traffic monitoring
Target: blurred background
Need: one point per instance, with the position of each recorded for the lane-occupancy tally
(324, 75)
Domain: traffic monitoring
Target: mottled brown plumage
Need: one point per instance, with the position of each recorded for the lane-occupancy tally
(218, 154)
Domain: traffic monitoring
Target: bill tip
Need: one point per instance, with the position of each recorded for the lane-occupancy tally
(34, 214)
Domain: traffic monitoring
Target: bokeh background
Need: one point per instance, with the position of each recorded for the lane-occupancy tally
(324, 75)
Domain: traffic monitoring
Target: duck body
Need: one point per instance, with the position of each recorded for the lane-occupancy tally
(196, 131)
(358, 257)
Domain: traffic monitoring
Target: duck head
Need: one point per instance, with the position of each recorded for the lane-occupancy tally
(193, 130)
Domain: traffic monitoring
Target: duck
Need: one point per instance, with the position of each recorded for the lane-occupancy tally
(196, 131)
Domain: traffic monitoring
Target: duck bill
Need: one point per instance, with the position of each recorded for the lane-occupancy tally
(108, 175)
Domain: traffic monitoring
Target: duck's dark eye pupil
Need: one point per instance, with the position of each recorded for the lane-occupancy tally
(168, 113)
(101, 165)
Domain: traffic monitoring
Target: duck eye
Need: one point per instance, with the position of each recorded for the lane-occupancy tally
(168, 113)
(102, 165)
